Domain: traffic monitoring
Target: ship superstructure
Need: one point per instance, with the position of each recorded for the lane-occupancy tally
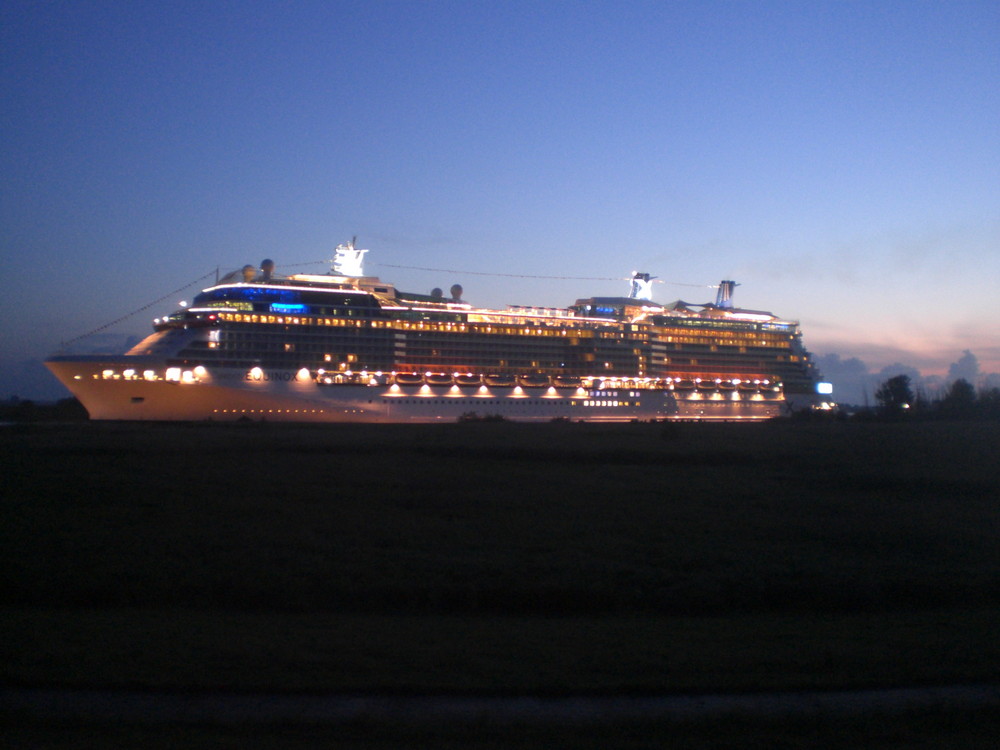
(348, 347)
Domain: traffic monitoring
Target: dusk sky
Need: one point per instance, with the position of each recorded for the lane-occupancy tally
(840, 160)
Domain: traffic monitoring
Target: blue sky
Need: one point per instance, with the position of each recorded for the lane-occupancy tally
(840, 160)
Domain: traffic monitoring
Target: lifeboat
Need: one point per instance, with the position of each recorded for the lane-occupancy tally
(727, 385)
(468, 379)
(408, 378)
(533, 381)
(706, 385)
(747, 386)
(501, 381)
(561, 381)
(437, 378)
(683, 385)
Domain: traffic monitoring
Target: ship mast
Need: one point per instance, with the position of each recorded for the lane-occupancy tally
(348, 260)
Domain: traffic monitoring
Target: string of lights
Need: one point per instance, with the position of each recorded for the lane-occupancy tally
(303, 265)
(508, 275)
(533, 276)
(213, 272)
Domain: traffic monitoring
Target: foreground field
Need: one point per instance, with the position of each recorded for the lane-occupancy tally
(554, 559)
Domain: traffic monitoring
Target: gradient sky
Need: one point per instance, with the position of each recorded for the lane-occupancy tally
(841, 160)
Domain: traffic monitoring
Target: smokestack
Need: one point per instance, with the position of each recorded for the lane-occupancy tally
(724, 298)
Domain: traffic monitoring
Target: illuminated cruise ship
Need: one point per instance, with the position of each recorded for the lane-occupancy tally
(345, 347)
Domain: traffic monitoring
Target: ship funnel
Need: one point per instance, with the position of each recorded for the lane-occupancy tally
(642, 286)
(724, 297)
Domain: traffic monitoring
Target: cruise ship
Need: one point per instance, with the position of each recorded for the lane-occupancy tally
(346, 347)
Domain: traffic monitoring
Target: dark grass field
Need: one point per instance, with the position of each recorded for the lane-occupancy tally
(497, 558)
(975, 730)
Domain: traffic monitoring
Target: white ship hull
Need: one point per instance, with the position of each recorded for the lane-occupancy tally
(136, 388)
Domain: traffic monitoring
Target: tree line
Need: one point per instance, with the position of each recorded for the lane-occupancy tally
(896, 399)
(23, 410)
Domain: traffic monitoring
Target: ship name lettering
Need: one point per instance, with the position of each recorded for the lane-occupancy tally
(270, 376)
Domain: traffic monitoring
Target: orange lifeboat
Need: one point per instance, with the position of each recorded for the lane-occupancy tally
(562, 381)
(533, 381)
(500, 381)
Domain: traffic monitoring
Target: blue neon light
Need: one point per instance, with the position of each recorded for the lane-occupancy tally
(282, 307)
(250, 294)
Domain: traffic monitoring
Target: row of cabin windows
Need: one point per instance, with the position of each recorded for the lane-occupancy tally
(752, 335)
